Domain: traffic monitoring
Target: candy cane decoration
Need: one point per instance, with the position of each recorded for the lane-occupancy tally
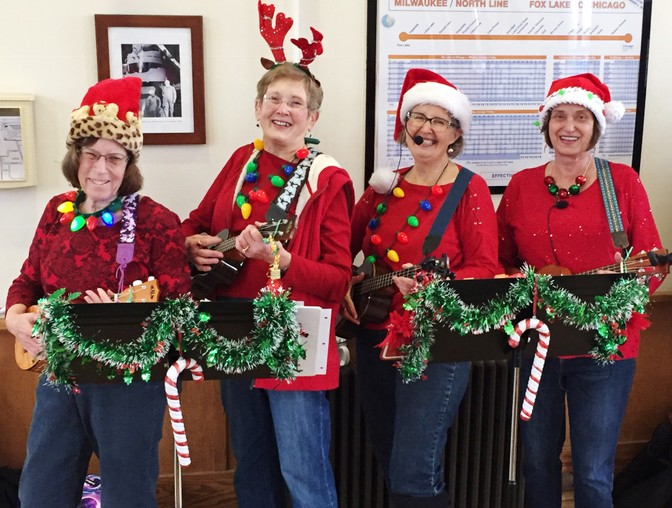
(174, 407)
(537, 364)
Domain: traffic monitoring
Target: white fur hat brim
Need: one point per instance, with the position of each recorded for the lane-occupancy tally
(611, 112)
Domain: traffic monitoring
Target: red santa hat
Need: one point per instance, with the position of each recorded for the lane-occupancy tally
(110, 110)
(422, 86)
(585, 90)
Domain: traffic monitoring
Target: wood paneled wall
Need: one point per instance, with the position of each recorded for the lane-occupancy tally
(208, 480)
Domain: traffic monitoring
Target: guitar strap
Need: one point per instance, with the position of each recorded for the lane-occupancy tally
(283, 202)
(447, 210)
(126, 245)
(618, 235)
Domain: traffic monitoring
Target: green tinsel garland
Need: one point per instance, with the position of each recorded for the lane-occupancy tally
(437, 303)
(274, 341)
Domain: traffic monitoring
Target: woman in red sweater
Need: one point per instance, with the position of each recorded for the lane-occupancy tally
(280, 432)
(554, 214)
(90, 241)
(408, 423)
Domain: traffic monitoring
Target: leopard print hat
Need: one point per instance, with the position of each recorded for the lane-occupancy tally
(110, 110)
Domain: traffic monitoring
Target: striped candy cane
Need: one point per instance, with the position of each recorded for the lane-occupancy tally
(174, 407)
(537, 364)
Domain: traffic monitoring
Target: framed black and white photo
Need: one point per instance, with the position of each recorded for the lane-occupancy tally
(17, 141)
(166, 52)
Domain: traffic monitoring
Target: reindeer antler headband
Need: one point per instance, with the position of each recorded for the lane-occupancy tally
(275, 37)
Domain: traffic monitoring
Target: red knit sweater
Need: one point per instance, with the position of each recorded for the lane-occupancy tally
(533, 230)
(59, 258)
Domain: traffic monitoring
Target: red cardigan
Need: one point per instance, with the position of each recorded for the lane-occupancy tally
(533, 230)
(319, 274)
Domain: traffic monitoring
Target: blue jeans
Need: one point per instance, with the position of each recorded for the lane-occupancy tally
(121, 424)
(596, 397)
(407, 424)
(279, 438)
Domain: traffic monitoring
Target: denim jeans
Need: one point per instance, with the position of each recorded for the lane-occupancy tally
(596, 397)
(407, 424)
(279, 438)
(121, 424)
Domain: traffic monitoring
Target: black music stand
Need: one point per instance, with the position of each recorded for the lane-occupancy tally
(123, 323)
(493, 345)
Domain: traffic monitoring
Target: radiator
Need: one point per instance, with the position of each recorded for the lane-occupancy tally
(476, 455)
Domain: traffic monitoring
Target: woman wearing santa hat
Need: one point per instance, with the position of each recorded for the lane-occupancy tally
(90, 241)
(408, 423)
(554, 215)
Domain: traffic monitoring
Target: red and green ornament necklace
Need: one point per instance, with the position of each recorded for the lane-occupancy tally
(77, 220)
(412, 220)
(560, 192)
(245, 200)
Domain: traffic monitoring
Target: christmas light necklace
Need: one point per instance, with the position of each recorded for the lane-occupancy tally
(411, 221)
(244, 200)
(77, 219)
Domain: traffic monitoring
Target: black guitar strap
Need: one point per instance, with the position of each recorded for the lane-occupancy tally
(447, 210)
(283, 202)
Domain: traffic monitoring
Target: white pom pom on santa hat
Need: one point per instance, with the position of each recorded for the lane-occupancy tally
(383, 180)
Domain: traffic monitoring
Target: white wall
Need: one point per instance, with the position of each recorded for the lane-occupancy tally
(48, 49)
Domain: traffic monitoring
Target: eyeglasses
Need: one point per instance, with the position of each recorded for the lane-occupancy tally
(416, 119)
(112, 160)
(292, 103)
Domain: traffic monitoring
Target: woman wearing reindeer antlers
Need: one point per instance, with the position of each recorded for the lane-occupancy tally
(280, 432)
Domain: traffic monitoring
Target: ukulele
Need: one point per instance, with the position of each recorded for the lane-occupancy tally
(372, 295)
(653, 262)
(138, 292)
(203, 284)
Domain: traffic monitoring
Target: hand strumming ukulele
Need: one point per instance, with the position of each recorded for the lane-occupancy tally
(204, 284)
(372, 296)
(653, 262)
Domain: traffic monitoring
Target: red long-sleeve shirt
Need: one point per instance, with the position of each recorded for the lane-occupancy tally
(533, 230)
(469, 241)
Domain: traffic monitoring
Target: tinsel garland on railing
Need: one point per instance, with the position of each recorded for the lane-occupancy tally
(435, 303)
(176, 324)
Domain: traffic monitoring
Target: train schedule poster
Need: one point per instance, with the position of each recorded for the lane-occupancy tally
(504, 54)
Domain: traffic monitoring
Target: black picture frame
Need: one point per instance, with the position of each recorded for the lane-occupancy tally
(166, 52)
